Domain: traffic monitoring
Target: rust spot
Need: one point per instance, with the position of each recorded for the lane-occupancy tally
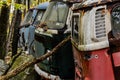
(99, 1)
(48, 74)
(94, 4)
(109, 0)
(103, 11)
(84, 5)
(83, 12)
(109, 10)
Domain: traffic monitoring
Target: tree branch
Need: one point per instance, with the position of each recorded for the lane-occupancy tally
(28, 64)
(12, 61)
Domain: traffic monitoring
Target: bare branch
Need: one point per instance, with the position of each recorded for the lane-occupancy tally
(28, 64)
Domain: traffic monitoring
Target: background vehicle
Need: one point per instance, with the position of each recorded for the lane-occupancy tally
(27, 28)
(96, 40)
(55, 27)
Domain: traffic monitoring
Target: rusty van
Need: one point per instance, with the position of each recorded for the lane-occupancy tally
(96, 39)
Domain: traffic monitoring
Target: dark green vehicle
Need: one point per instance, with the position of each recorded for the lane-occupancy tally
(55, 27)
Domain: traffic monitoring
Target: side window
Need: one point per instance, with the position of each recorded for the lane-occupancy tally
(28, 17)
(75, 22)
(115, 20)
(38, 17)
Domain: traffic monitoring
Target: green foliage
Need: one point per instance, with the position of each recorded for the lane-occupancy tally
(16, 5)
(34, 3)
(2, 2)
(19, 6)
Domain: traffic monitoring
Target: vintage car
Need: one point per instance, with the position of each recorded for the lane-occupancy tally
(96, 39)
(27, 28)
(54, 27)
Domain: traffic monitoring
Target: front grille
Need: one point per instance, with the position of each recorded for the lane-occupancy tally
(100, 30)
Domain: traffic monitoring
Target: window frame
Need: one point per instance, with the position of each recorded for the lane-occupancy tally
(73, 27)
(25, 18)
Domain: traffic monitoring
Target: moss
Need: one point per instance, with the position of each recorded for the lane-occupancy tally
(20, 60)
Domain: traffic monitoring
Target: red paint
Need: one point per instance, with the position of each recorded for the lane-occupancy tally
(116, 59)
(98, 68)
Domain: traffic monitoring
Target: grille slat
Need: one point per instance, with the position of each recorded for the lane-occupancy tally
(100, 32)
(100, 29)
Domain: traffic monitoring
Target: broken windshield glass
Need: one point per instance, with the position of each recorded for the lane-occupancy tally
(56, 15)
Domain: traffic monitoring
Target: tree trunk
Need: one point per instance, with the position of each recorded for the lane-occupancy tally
(32, 62)
(4, 18)
(9, 37)
(17, 20)
(38, 1)
(29, 1)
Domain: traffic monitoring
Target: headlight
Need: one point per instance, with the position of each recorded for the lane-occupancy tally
(115, 17)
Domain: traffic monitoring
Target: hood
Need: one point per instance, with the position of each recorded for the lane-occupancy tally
(91, 3)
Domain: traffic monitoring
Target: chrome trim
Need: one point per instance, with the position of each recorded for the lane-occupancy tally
(45, 74)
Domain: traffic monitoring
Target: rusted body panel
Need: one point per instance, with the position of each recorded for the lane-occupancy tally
(95, 65)
(93, 3)
(95, 44)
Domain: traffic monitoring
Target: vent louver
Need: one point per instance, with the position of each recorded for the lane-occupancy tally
(100, 30)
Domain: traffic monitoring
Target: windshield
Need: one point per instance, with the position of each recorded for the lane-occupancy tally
(56, 14)
(38, 17)
(27, 18)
